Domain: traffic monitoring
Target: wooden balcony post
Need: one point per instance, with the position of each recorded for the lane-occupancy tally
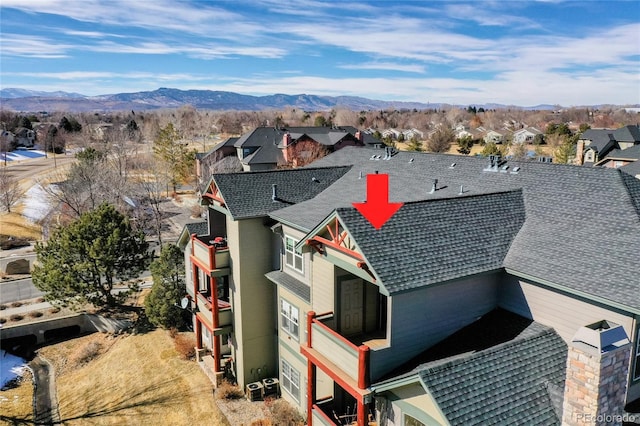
(216, 322)
(362, 413)
(363, 366)
(198, 333)
(310, 316)
(212, 257)
(311, 390)
(196, 281)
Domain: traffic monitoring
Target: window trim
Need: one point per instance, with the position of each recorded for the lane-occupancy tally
(289, 318)
(289, 378)
(294, 254)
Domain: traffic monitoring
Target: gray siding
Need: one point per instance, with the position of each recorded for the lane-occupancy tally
(253, 298)
(565, 314)
(419, 319)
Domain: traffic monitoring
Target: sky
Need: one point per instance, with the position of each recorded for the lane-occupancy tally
(567, 53)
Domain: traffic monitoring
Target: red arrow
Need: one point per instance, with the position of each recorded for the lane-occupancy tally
(377, 209)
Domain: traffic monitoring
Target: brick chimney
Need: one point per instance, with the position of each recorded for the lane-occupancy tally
(597, 375)
(286, 142)
(359, 136)
(580, 152)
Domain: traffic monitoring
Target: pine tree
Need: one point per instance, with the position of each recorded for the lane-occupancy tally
(168, 288)
(83, 261)
(176, 157)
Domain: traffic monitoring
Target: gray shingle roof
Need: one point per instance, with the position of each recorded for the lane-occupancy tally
(267, 140)
(631, 153)
(292, 284)
(437, 240)
(629, 133)
(198, 228)
(502, 369)
(632, 169)
(249, 194)
(582, 227)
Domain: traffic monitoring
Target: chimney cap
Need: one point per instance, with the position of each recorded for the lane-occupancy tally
(602, 336)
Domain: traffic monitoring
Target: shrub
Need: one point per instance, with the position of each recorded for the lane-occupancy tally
(54, 310)
(3, 320)
(283, 413)
(16, 304)
(173, 332)
(3, 307)
(185, 346)
(35, 314)
(16, 317)
(40, 299)
(86, 353)
(228, 390)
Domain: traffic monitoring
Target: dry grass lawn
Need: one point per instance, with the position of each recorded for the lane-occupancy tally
(16, 403)
(16, 225)
(133, 380)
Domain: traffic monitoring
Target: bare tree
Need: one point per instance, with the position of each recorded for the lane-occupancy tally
(441, 140)
(10, 189)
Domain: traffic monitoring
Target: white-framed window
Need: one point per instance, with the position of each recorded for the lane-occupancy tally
(411, 421)
(293, 257)
(289, 315)
(290, 380)
(636, 370)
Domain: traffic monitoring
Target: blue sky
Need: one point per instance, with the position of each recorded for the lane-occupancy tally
(512, 52)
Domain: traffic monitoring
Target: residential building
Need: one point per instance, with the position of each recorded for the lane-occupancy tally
(478, 302)
(493, 136)
(266, 148)
(24, 137)
(595, 145)
(526, 135)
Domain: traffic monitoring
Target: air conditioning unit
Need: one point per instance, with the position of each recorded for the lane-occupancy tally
(271, 387)
(255, 391)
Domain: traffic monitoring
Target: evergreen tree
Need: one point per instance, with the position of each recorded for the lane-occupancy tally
(464, 145)
(415, 145)
(168, 288)
(176, 157)
(82, 262)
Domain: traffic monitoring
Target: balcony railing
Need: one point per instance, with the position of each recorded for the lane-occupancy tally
(352, 359)
(211, 255)
(320, 417)
(224, 310)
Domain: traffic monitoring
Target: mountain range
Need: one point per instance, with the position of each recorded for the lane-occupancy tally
(32, 101)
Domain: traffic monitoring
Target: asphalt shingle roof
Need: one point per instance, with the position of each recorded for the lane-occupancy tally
(629, 133)
(558, 242)
(248, 194)
(502, 369)
(268, 140)
(292, 284)
(198, 228)
(437, 240)
(631, 153)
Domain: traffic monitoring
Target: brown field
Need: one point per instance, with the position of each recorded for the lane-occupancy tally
(16, 403)
(16, 225)
(129, 379)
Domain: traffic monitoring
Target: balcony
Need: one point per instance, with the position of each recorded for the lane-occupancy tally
(325, 412)
(205, 306)
(334, 350)
(210, 254)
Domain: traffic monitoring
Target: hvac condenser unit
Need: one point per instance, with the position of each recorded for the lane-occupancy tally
(271, 387)
(254, 391)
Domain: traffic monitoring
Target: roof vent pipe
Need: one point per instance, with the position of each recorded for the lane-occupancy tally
(461, 190)
(274, 192)
(434, 188)
(360, 175)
